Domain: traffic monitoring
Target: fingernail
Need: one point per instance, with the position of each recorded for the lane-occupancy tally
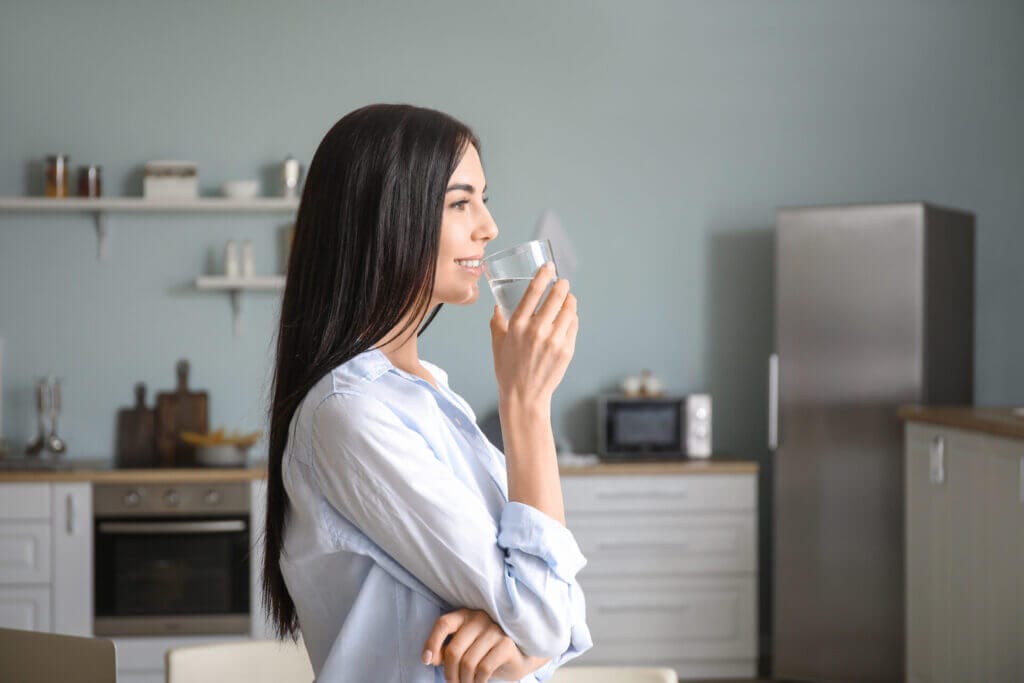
(427, 656)
(549, 266)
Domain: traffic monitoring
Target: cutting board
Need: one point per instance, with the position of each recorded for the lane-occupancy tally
(136, 433)
(177, 411)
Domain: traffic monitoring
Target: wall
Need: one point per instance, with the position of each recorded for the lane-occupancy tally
(664, 134)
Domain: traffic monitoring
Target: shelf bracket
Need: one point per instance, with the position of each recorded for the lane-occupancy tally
(102, 232)
(236, 311)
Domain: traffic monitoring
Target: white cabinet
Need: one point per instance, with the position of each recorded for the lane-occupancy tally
(671, 575)
(46, 557)
(965, 556)
(25, 607)
(72, 558)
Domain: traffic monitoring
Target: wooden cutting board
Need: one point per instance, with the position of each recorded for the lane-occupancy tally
(136, 433)
(177, 411)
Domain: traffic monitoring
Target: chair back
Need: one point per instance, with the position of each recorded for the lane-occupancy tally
(38, 657)
(613, 674)
(246, 661)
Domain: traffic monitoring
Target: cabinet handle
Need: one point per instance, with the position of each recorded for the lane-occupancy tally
(937, 460)
(773, 401)
(69, 514)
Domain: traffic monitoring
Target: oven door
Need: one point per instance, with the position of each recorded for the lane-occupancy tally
(171, 575)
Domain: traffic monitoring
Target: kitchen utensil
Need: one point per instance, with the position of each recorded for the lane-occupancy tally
(54, 443)
(177, 411)
(36, 445)
(510, 271)
(136, 433)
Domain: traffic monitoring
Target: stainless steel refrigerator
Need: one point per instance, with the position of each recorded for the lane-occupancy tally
(874, 308)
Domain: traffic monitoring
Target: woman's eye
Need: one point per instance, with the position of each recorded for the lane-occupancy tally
(460, 204)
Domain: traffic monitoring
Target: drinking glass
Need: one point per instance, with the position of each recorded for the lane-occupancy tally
(510, 271)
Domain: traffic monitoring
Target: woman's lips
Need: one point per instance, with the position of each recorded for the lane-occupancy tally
(478, 270)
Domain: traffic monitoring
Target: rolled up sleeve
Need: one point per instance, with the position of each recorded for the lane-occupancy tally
(384, 477)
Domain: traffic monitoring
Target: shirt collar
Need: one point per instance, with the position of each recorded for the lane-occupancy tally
(371, 364)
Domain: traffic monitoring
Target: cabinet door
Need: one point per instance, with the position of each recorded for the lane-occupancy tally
(929, 552)
(26, 608)
(966, 477)
(1004, 560)
(72, 555)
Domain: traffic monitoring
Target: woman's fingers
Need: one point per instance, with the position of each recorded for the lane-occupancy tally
(469, 665)
(455, 651)
(556, 297)
(528, 304)
(445, 625)
(503, 660)
(564, 319)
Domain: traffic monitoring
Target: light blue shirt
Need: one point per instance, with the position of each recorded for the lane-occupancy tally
(398, 512)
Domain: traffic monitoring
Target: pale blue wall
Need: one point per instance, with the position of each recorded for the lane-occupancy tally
(664, 134)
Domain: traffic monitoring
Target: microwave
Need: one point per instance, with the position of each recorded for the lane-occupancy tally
(653, 428)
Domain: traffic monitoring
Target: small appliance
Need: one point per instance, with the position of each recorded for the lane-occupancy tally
(653, 428)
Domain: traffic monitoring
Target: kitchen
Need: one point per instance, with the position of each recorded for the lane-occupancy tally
(672, 136)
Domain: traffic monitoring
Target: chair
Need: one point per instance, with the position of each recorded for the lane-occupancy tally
(38, 657)
(613, 674)
(247, 661)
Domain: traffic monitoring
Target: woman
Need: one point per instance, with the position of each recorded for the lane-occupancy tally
(399, 540)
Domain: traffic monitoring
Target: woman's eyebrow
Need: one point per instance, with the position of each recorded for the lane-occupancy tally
(462, 186)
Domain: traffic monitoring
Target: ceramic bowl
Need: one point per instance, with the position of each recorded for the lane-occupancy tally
(241, 189)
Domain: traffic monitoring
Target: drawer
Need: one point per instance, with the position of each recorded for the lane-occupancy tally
(665, 493)
(643, 544)
(25, 607)
(680, 618)
(24, 552)
(24, 501)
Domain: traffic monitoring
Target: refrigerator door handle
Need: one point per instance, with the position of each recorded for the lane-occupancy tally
(773, 401)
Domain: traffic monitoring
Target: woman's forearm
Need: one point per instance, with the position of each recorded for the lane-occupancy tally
(530, 455)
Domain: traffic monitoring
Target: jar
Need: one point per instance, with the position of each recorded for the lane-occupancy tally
(57, 175)
(90, 183)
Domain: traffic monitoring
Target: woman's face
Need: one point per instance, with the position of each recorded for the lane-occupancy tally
(466, 228)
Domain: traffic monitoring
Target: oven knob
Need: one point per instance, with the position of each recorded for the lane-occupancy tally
(172, 498)
(132, 498)
(212, 497)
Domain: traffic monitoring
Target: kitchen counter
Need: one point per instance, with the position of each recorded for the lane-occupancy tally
(102, 471)
(998, 421)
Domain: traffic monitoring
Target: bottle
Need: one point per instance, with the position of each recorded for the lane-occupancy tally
(291, 173)
(248, 265)
(57, 175)
(230, 259)
(90, 184)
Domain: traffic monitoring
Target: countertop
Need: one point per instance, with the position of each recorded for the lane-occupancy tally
(996, 420)
(102, 471)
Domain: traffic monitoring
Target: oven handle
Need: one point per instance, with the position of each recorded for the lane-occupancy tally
(215, 527)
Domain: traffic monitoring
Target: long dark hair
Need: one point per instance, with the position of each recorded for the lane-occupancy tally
(363, 256)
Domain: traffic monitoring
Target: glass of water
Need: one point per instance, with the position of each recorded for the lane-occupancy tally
(510, 271)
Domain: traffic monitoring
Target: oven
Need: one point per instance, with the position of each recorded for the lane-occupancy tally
(171, 559)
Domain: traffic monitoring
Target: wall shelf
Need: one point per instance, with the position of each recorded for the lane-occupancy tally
(102, 206)
(235, 286)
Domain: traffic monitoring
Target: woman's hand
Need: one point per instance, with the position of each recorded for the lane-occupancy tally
(478, 650)
(532, 352)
